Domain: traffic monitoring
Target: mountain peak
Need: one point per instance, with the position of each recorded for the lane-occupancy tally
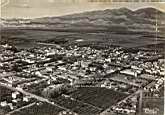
(119, 11)
(125, 9)
(148, 10)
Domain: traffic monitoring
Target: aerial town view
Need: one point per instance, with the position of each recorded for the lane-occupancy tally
(104, 62)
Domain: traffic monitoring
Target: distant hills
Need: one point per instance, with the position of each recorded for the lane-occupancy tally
(122, 27)
(141, 18)
(109, 20)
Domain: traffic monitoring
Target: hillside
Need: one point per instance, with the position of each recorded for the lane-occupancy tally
(116, 26)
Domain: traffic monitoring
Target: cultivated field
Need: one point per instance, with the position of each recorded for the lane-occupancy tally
(77, 106)
(42, 109)
(27, 38)
(99, 97)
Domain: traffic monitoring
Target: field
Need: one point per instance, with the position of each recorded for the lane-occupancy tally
(42, 109)
(26, 38)
(99, 97)
(89, 101)
(77, 106)
(4, 92)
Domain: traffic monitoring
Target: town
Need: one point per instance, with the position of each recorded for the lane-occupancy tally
(78, 80)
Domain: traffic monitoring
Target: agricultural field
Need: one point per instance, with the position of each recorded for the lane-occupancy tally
(39, 109)
(97, 96)
(27, 38)
(77, 106)
(4, 92)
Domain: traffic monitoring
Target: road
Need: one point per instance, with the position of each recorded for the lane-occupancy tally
(125, 81)
(7, 74)
(24, 107)
(33, 96)
(105, 112)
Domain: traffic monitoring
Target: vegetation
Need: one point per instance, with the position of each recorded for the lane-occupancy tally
(99, 97)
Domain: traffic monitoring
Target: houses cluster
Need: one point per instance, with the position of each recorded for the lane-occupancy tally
(155, 88)
(36, 69)
(118, 86)
(128, 106)
(13, 100)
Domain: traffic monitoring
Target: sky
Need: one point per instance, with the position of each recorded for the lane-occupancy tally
(44, 8)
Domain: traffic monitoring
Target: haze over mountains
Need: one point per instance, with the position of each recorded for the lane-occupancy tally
(117, 19)
(119, 26)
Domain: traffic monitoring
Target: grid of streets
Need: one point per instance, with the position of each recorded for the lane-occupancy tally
(78, 80)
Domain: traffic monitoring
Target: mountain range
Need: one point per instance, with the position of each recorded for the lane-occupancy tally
(121, 26)
(116, 19)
